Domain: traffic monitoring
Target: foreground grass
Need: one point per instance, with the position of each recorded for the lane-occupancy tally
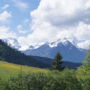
(9, 70)
(32, 78)
(52, 80)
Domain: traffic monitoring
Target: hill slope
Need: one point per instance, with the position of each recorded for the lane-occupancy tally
(7, 69)
(11, 55)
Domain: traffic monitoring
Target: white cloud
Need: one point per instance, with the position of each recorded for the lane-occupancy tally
(24, 43)
(5, 33)
(23, 32)
(21, 5)
(78, 35)
(84, 44)
(21, 29)
(5, 16)
(5, 6)
(82, 31)
(61, 12)
(58, 19)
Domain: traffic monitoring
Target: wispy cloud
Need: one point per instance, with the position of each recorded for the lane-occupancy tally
(21, 29)
(5, 33)
(6, 6)
(20, 4)
(5, 16)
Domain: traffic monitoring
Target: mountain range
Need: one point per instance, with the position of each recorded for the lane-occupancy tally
(12, 55)
(68, 50)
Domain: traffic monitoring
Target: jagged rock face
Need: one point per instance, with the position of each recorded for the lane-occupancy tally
(66, 48)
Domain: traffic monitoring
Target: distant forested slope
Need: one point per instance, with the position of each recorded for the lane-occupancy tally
(11, 55)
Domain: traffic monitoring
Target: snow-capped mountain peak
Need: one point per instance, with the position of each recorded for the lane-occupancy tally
(69, 51)
(52, 44)
(64, 42)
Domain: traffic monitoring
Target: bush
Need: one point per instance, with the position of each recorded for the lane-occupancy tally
(44, 81)
(53, 80)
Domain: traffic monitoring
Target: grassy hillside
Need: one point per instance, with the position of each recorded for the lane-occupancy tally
(7, 69)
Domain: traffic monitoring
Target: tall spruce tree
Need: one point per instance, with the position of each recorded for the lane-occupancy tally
(57, 63)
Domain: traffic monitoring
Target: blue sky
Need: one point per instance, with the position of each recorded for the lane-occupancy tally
(34, 22)
(19, 14)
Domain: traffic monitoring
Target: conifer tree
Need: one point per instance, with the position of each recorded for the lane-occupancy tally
(57, 63)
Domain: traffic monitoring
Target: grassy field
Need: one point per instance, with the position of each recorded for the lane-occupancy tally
(68, 79)
(8, 70)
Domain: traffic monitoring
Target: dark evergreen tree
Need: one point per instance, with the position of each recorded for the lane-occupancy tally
(57, 63)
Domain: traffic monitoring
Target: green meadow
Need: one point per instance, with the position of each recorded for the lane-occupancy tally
(8, 70)
(17, 77)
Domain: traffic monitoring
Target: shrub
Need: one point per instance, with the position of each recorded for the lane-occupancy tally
(45, 81)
